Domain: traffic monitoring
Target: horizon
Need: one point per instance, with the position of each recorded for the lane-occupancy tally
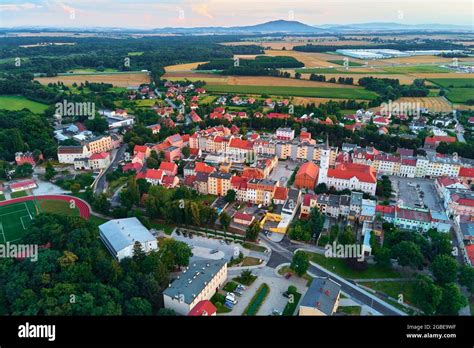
(148, 14)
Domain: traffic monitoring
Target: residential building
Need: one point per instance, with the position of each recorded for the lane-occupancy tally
(67, 154)
(321, 298)
(307, 176)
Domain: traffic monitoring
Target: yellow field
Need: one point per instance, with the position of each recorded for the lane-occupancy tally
(251, 80)
(316, 101)
(310, 60)
(118, 80)
(443, 76)
(183, 67)
(435, 104)
(404, 79)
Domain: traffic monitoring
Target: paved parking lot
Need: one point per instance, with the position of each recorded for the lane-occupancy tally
(415, 196)
(275, 299)
(282, 172)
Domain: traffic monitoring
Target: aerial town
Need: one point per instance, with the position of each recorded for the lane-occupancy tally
(275, 170)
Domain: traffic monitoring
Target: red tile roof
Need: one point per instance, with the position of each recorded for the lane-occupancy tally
(466, 172)
(154, 174)
(470, 253)
(438, 139)
(202, 167)
(281, 193)
(385, 209)
(168, 166)
(241, 144)
(203, 308)
(98, 156)
(277, 115)
(308, 197)
(347, 171)
(243, 216)
(132, 166)
(140, 148)
(22, 184)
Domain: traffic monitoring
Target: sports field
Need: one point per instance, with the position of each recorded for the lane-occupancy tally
(13, 102)
(15, 220)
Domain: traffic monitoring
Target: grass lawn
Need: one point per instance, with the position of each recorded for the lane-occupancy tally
(290, 307)
(454, 82)
(58, 207)
(322, 92)
(218, 300)
(97, 220)
(340, 267)
(250, 261)
(245, 282)
(2, 198)
(12, 102)
(115, 184)
(15, 220)
(19, 194)
(341, 62)
(135, 53)
(394, 289)
(460, 95)
(428, 69)
(254, 247)
(168, 229)
(230, 286)
(257, 300)
(349, 310)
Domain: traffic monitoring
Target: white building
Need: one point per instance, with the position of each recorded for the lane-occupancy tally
(67, 154)
(120, 236)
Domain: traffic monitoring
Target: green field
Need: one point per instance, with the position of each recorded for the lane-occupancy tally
(428, 69)
(341, 62)
(15, 220)
(19, 194)
(460, 95)
(337, 71)
(453, 82)
(91, 70)
(394, 289)
(135, 53)
(322, 92)
(58, 207)
(13, 102)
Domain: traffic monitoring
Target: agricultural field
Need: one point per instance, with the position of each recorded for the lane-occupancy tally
(416, 69)
(324, 92)
(454, 82)
(404, 79)
(116, 79)
(460, 95)
(341, 62)
(183, 67)
(11, 102)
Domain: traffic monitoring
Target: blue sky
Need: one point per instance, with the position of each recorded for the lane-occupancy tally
(195, 13)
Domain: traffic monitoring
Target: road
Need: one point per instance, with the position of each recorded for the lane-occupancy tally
(101, 182)
(282, 254)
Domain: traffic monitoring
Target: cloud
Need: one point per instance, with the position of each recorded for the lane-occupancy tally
(19, 7)
(202, 9)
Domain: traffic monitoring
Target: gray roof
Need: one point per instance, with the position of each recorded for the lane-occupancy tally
(356, 198)
(193, 280)
(122, 233)
(322, 294)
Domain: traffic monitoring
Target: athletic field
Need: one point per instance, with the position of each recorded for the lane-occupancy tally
(15, 220)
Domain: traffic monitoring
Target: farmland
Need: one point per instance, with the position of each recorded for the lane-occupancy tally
(416, 69)
(116, 79)
(436, 104)
(324, 92)
(452, 82)
(9, 102)
(460, 95)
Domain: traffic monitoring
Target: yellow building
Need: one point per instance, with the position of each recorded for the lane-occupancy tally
(100, 144)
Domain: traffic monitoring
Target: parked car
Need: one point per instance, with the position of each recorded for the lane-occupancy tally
(240, 286)
(190, 236)
(276, 312)
(288, 276)
(222, 242)
(185, 235)
(286, 294)
(214, 251)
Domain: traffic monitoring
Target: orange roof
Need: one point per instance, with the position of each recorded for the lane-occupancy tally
(154, 174)
(349, 170)
(98, 156)
(168, 166)
(281, 193)
(470, 253)
(241, 144)
(253, 173)
(243, 216)
(140, 148)
(310, 169)
(439, 138)
(202, 167)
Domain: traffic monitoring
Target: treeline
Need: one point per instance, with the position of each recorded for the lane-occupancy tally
(390, 89)
(75, 275)
(25, 131)
(24, 85)
(261, 62)
(407, 46)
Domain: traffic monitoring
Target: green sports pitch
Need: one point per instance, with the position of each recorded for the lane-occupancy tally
(15, 220)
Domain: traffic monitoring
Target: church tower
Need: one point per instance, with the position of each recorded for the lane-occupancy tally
(324, 162)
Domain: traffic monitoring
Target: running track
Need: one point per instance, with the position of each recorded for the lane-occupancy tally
(84, 208)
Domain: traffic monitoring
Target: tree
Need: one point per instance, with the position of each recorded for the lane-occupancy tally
(185, 151)
(316, 222)
(246, 276)
(138, 306)
(382, 257)
(427, 296)
(101, 203)
(300, 231)
(408, 254)
(300, 263)
(225, 219)
(253, 230)
(451, 301)
(75, 188)
(24, 170)
(297, 75)
(50, 172)
(230, 196)
(347, 236)
(166, 312)
(138, 253)
(466, 277)
(444, 269)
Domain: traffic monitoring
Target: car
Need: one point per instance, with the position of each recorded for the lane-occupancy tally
(242, 287)
(227, 242)
(190, 236)
(213, 251)
(286, 294)
(276, 312)
(288, 276)
(222, 242)
(185, 235)
(238, 292)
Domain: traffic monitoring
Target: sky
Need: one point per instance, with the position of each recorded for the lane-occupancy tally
(199, 13)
